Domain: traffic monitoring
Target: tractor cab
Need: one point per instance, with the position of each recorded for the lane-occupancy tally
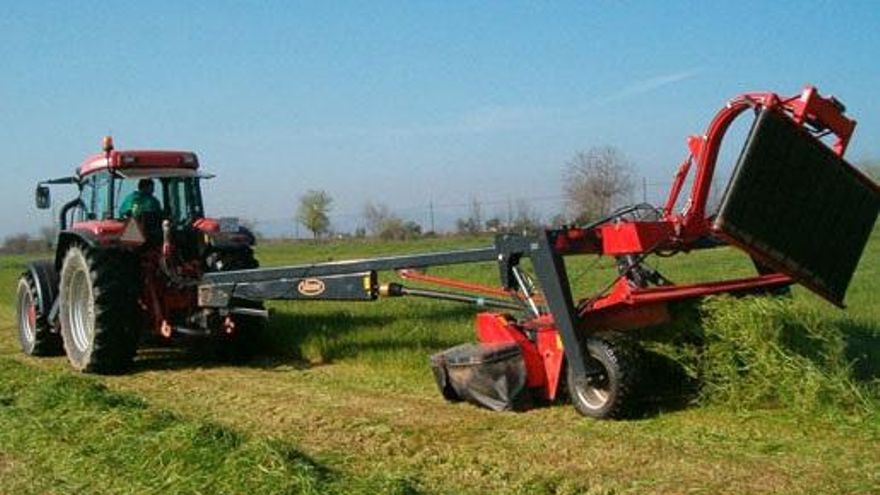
(126, 198)
(108, 188)
(149, 186)
(147, 195)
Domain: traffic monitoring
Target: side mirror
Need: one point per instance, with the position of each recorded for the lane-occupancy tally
(44, 200)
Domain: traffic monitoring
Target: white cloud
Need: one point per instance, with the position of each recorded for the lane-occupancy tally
(505, 118)
(650, 84)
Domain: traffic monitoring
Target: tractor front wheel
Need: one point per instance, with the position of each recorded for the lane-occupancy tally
(611, 392)
(34, 330)
(98, 309)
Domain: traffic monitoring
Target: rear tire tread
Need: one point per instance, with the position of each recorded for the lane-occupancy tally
(46, 341)
(116, 286)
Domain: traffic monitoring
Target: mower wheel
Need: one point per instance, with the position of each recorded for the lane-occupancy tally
(98, 309)
(612, 393)
(35, 332)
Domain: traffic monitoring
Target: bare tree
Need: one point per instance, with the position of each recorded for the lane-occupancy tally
(386, 225)
(558, 220)
(313, 210)
(525, 220)
(473, 224)
(377, 216)
(597, 182)
(494, 225)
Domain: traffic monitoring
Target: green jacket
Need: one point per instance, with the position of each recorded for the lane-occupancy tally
(138, 203)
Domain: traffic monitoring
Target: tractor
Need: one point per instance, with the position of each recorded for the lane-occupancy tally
(124, 271)
(123, 274)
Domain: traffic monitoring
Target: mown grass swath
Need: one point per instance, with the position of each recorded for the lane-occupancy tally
(342, 401)
(61, 432)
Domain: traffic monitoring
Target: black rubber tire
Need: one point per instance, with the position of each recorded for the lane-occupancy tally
(241, 258)
(35, 332)
(613, 394)
(98, 311)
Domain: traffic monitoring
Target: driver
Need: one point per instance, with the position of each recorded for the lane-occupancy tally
(141, 201)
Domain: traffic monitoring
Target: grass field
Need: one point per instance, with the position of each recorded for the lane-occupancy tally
(342, 401)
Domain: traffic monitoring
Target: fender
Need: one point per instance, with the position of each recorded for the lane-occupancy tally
(68, 237)
(46, 276)
(214, 235)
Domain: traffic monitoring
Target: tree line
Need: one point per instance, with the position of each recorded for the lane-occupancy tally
(596, 182)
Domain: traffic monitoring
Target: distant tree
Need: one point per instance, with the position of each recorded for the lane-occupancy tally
(386, 225)
(596, 182)
(412, 229)
(313, 210)
(559, 220)
(396, 229)
(525, 220)
(494, 224)
(19, 244)
(393, 229)
(377, 216)
(473, 223)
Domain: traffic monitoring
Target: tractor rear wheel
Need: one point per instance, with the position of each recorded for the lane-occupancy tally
(98, 309)
(611, 394)
(34, 330)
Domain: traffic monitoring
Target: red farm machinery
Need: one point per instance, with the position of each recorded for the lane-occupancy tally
(122, 275)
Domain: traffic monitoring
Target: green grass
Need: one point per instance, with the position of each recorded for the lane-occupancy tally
(763, 352)
(343, 401)
(70, 434)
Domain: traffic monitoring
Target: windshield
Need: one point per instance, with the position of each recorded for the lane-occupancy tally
(175, 198)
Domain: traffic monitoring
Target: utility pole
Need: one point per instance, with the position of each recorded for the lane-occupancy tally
(644, 190)
(431, 210)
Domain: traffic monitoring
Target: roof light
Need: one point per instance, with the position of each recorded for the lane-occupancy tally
(107, 144)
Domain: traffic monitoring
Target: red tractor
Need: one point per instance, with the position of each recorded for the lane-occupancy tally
(126, 264)
(129, 266)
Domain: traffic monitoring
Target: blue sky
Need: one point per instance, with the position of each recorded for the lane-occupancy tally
(404, 102)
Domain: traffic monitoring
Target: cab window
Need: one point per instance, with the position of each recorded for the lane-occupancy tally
(86, 195)
(95, 197)
(101, 197)
(126, 187)
(182, 200)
